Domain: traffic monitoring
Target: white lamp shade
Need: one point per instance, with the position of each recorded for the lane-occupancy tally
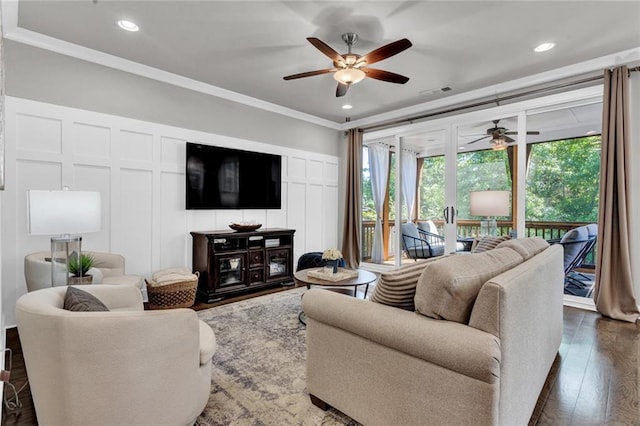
(489, 203)
(64, 212)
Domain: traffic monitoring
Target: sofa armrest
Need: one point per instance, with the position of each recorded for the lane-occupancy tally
(451, 345)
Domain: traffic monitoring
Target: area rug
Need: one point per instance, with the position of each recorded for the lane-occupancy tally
(258, 375)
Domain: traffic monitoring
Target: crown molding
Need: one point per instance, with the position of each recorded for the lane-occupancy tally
(15, 33)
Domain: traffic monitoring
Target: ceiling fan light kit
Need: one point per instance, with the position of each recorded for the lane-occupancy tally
(350, 68)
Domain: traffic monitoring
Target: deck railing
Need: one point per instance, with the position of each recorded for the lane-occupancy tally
(471, 228)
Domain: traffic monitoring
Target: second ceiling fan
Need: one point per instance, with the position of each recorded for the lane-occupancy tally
(350, 68)
(499, 136)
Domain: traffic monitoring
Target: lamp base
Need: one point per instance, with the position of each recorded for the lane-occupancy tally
(62, 250)
(489, 227)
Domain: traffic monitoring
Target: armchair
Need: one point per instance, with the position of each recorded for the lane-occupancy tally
(125, 366)
(109, 269)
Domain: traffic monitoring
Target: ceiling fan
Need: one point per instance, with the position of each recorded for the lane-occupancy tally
(350, 68)
(499, 136)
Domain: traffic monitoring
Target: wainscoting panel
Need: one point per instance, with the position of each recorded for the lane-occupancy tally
(315, 200)
(96, 178)
(38, 134)
(139, 169)
(91, 141)
(134, 230)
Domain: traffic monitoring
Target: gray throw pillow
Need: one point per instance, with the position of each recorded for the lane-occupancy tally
(80, 301)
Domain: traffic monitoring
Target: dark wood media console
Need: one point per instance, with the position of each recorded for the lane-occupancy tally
(233, 262)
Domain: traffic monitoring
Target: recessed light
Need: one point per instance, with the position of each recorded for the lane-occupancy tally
(347, 106)
(543, 47)
(128, 25)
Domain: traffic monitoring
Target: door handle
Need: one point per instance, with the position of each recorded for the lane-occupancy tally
(446, 214)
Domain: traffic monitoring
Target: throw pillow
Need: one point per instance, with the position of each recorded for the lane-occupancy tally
(397, 288)
(80, 301)
(488, 243)
(448, 289)
(526, 247)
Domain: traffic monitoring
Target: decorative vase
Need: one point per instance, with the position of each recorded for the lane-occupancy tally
(334, 265)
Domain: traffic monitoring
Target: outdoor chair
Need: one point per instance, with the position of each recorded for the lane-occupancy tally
(419, 244)
(577, 244)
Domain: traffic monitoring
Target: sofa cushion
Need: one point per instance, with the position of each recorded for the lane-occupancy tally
(447, 289)
(77, 300)
(526, 247)
(397, 288)
(487, 243)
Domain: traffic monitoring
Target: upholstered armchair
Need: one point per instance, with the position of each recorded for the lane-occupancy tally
(123, 367)
(109, 268)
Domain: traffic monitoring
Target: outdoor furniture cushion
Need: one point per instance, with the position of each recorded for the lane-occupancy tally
(448, 289)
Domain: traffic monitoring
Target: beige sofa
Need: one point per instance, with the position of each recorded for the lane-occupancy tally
(477, 350)
(123, 367)
(109, 269)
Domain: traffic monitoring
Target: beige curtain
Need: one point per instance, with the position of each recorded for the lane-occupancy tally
(613, 292)
(353, 200)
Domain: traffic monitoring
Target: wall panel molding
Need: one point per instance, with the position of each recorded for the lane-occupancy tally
(139, 168)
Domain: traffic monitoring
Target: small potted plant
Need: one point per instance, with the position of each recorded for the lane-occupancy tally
(78, 268)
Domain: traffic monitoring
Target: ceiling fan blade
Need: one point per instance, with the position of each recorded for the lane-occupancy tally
(385, 75)
(309, 74)
(326, 49)
(530, 132)
(341, 90)
(507, 139)
(386, 51)
(477, 140)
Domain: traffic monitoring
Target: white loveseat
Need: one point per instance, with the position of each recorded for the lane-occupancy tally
(123, 367)
(463, 357)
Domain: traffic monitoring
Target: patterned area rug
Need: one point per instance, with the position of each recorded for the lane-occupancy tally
(258, 375)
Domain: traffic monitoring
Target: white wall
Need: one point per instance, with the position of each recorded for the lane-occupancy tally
(138, 167)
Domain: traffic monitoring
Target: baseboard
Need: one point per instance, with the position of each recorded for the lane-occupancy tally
(579, 302)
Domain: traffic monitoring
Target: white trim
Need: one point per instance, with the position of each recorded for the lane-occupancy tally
(579, 302)
(597, 64)
(21, 35)
(80, 52)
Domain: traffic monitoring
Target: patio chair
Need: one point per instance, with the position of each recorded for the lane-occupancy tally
(577, 244)
(419, 244)
(430, 229)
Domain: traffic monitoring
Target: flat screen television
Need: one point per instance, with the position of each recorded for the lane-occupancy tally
(225, 178)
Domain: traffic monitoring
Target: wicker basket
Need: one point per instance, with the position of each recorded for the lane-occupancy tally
(181, 294)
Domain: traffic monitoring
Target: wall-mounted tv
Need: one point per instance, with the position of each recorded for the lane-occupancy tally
(225, 178)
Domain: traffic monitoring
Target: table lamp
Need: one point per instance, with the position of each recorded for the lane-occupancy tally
(489, 204)
(61, 213)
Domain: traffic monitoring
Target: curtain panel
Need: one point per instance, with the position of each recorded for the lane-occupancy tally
(409, 179)
(613, 291)
(379, 170)
(353, 200)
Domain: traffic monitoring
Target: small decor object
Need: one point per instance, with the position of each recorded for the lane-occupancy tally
(78, 268)
(172, 288)
(245, 226)
(332, 258)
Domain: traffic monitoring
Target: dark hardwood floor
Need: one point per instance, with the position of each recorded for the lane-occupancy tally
(595, 379)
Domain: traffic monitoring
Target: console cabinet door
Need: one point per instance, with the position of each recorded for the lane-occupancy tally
(278, 263)
(230, 271)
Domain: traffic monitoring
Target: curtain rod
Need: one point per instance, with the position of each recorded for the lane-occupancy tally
(497, 100)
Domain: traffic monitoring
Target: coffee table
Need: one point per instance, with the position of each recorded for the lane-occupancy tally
(363, 278)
